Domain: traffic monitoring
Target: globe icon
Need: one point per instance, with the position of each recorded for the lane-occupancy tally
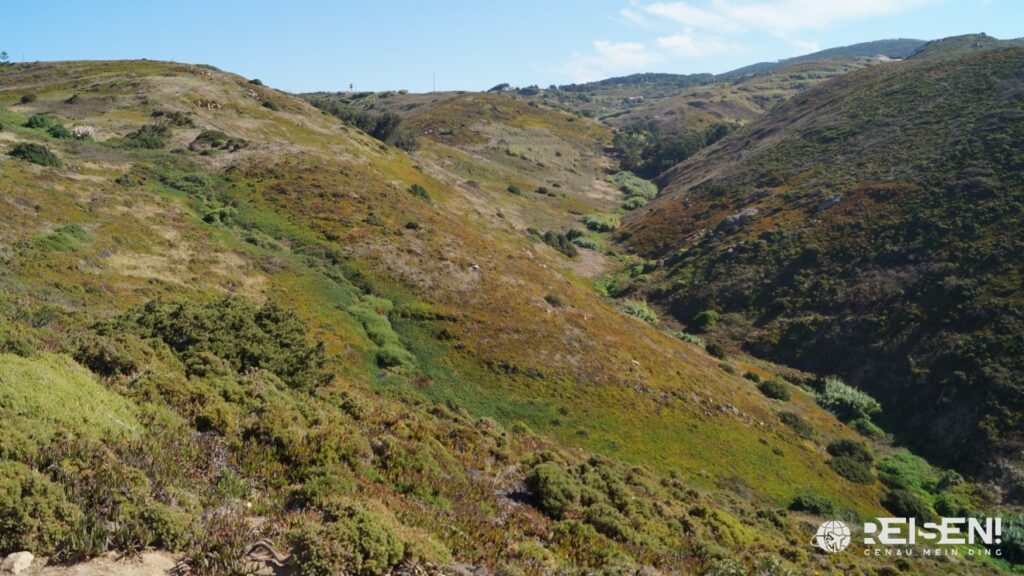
(832, 536)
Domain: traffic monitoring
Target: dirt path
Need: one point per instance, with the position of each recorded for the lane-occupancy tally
(148, 564)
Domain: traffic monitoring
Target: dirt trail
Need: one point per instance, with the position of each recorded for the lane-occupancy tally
(148, 564)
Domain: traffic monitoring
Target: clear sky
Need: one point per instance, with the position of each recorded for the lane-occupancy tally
(306, 45)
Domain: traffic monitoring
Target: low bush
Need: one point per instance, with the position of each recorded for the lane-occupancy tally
(553, 490)
(909, 505)
(775, 389)
(601, 222)
(513, 189)
(715, 349)
(705, 321)
(60, 132)
(641, 310)
(34, 512)
(561, 242)
(271, 105)
(39, 121)
(813, 504)
(28, 98)
(419, 192)
(852, 461)
(846, 401)
(149, 136)
(36, 154)
(352, 540)
(797, 424)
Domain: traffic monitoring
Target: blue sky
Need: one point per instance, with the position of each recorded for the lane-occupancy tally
(304, 45)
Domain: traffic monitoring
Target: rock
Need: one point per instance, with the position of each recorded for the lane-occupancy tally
(16, 563)
(829, 202)
(738, 219)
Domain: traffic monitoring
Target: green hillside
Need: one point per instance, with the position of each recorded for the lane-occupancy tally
(867, 228)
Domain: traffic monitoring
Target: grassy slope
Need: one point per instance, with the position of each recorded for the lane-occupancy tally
(317, 218)
(875, 195)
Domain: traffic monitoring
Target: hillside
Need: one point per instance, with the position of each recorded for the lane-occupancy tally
(867, 228)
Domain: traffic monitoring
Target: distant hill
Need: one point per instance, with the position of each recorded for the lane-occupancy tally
(895, 48)
(868, 227)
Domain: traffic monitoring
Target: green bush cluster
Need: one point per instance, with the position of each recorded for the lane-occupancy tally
(798, 424)
(775, 389)
(852, 460)
(352, 540)
(847, 402)
(149, 136)
(813, 504)
(419, 192)
(641, 310)
(601, 222)
(553, 489)
(216, 140)
(36, 154)
(705, 321)
(244, 336)
(563, 242)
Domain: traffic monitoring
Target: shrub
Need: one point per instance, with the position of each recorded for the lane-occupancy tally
(907, 504)
(34, 513)
(633, 186)
(28, 98)
(553, 490)
(705, 321)
(149, 137)
(813, 504)
(561, 242)
(39, 121)
(352, 541)
(852, 461)
(798, 424)
(246, 337)
(215, 139)
(633, 203)
(588, 243)
(774, 389)
(419, 192)
(846, 401)
(513, 189)
(752, 376)
(687, 337)
(554, 300)
(60, 132)
(601, 222)
(641, 310)
(608, 521)
(36, 154)
(715, 349)
(271, 105)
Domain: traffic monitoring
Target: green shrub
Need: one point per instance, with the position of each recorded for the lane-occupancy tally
(561, 242)
(1013, 538)
(634, 186)
(513, 189)
(705, 321)
(752, 376)
(846, 401)
(39, 121)
(34, 513)
(353, 540)
(60, 132)
(36, 154)
(813, 504)
(601, 222)
(608, 521)
(715, 349)
(907, 504)
(28, 98)
(641, 310)
(852, 461)
(149, 136)
(797, 424)
(553, 490)
(588, 243)
(271, 105)
(633, 203)
(687, 337)
(64, 239)
(246, 337)
(216, 140)
(419, 192)
(775, 389)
